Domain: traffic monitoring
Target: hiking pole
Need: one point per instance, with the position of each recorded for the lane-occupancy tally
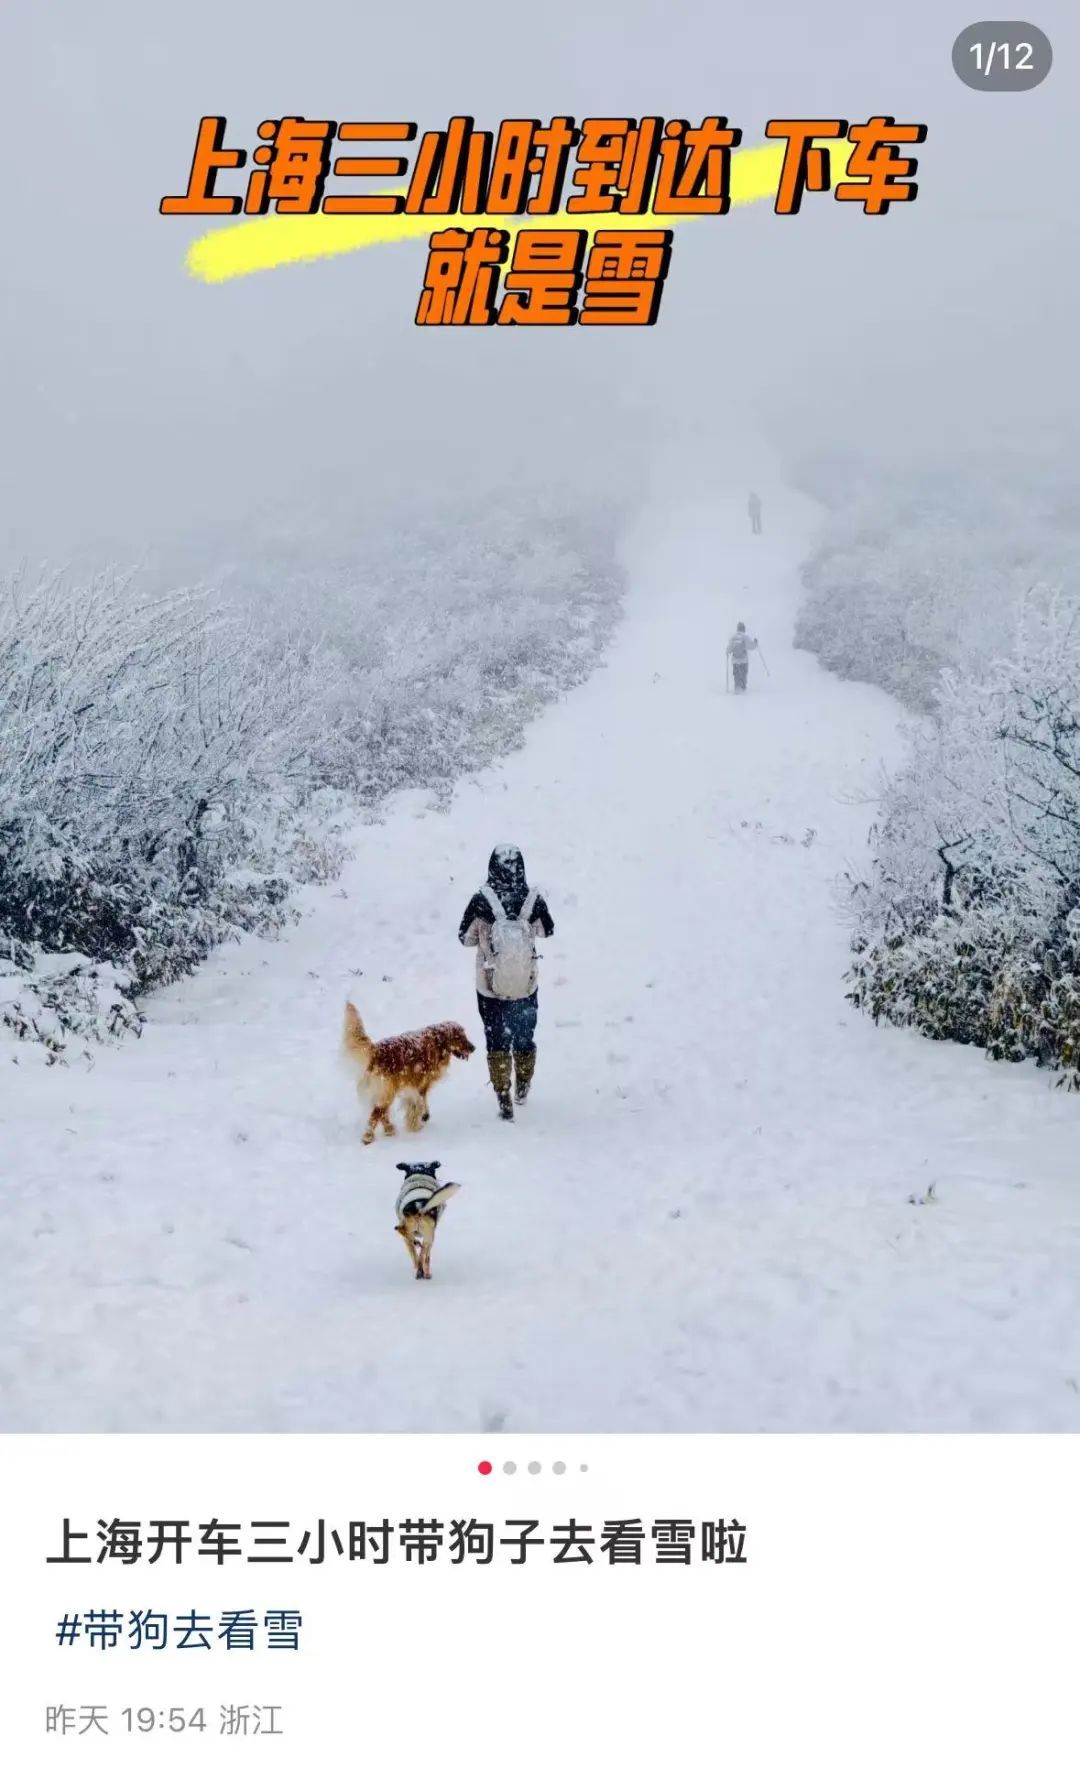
(764, 665)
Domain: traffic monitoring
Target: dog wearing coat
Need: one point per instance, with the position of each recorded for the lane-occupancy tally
(405, 1067)
(420, 1203)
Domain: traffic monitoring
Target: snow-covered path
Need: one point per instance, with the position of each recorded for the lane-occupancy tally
(702, 1219)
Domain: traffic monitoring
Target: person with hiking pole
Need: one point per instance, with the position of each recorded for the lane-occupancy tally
(739, 646)
(503, 920)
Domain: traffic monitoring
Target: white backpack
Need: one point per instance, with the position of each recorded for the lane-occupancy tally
(740, 647)
(513, 952)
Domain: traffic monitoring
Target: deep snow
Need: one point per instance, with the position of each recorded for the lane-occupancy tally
(703, 1218)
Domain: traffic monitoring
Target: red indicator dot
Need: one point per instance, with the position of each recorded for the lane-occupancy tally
(483, 1467)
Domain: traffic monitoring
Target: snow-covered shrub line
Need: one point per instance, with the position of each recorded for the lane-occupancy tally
(171, 767)
(919, 572)
(968, 926)
(446, 638)
(958, 593)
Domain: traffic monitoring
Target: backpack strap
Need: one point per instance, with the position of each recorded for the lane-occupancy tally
(525, 913)
(493, 902)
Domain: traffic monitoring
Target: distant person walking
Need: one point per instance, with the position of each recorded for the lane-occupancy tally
(739, 646)
(753, 504)
(504, 920)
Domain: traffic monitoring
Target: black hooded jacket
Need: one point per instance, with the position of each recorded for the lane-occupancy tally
(506, 877)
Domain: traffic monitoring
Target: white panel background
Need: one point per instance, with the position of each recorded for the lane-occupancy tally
(905, 1600)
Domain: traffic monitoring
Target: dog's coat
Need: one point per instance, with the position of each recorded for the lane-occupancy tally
(406, 1066)
(420, 1203)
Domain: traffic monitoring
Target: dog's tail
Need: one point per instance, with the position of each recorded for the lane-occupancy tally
(355, 1041)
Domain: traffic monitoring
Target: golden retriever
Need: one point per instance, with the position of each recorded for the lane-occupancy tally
(407, 1067)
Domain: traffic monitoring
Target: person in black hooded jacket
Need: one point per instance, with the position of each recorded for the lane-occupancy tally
(509, 1024)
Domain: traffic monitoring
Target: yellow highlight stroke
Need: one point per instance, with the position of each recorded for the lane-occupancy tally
(268, 241)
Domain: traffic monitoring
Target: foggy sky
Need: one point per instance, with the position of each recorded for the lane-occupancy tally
(142, 409)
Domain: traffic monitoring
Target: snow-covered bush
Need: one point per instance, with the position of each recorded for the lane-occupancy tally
(171, 766)
(968, 926)
(955, 589)
(49, 999)
(141, 742)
